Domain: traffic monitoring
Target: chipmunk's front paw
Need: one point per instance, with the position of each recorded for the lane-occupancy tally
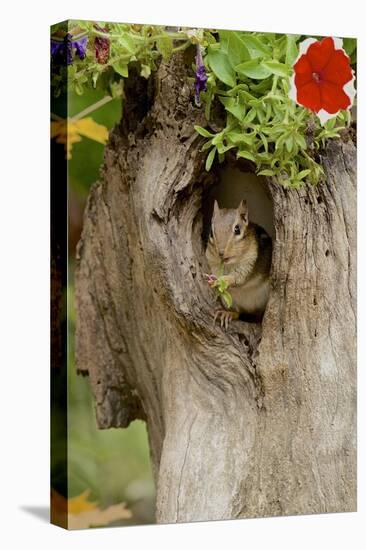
(211, 279)
(224, 317)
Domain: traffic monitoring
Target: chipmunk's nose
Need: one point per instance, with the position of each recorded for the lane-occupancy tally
(223, 257)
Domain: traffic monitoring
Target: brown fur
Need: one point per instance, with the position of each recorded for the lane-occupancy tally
(245, 258)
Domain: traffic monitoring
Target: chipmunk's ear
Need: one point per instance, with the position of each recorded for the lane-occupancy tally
(243, 211)
(216, 208)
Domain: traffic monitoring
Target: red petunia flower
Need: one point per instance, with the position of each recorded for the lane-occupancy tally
(323, 78)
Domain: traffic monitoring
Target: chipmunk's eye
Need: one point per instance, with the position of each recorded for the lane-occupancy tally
(237, 230)
(211, 235)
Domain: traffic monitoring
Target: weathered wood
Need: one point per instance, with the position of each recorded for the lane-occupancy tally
(256, 421)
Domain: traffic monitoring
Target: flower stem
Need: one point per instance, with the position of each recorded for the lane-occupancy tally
(274, 84)
(182, 46)
(92, 107)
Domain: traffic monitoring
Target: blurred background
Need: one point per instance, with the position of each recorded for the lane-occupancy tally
(110, 466)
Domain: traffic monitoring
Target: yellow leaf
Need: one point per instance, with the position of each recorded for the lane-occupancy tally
(58, 127)
(98, 517)
(92, 130)
(79, 504)
(82, 513)
(68, 132)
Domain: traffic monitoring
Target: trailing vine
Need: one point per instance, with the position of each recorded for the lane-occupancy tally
(248, 73)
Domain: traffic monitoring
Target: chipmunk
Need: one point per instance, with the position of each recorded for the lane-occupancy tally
(241, 252)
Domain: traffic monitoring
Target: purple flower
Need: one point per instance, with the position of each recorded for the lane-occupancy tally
(68, 48)
(58, 50)
(201, 76)
(80, 46)
(61, 48)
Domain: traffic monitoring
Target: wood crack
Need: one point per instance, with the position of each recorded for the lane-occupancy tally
(183, 465)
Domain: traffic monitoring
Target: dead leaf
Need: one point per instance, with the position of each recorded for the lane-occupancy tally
(79, 504)
(58, 509)
(83, 513)
(98, 517)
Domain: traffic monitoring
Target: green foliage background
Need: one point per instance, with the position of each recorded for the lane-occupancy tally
(113, 464)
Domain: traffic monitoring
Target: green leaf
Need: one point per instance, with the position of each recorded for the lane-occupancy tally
(250, 116)
(221, 149)
(207, 98)
(269, 111)
(279, 69)
(165, 46)
(203, 132)
(121, 68)
(206, 145)
(246, 155)
(210, 159)
(281, 140)
(331, 134)
(210, 38)
(264, 157)
(301, 175)
(81, 78)
(260, 115)
(253, 69)
(290, 143)
(145, 71)
(221, 284)
(234, 47)
(221, 66)
(349, 45)
(300, 140)
(228, 299)
(79, 88)
(291, 49)
(217, 139)
(264, 141)
(236, 137)
(330, 124)
(127, 42)
(303, 113)
(246, 96)
(266, 172)
(116, 89)
(235, 108)
(255, 46)
(285, 85)
(95, 76)
(262, 87)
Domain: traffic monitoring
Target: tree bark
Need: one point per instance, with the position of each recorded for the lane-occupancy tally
(258, 420)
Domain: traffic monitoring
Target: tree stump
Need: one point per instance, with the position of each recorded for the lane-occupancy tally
(258, 420)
